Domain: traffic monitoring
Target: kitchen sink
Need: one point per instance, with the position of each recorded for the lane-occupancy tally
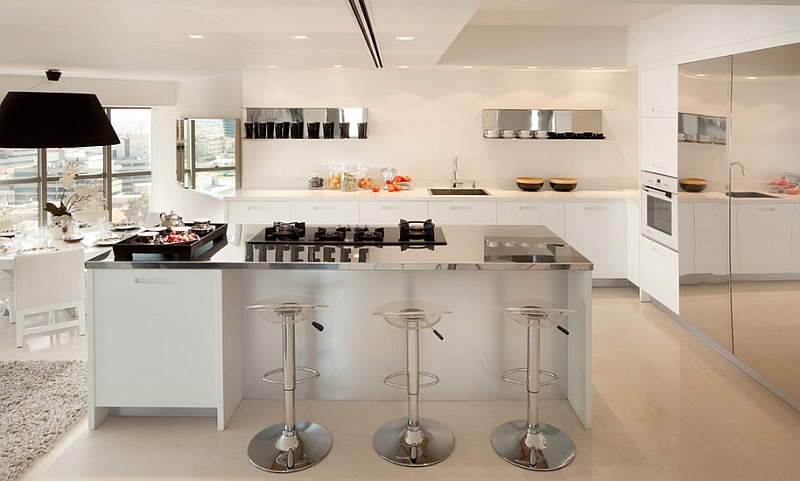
(458, 192)
(748, 194)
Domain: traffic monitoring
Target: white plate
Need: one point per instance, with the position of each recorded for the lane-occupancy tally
(126, 226)
(108, 241)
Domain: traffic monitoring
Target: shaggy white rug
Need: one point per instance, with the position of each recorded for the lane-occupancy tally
(38, 401)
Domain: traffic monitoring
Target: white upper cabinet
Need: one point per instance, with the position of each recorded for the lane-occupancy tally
(658, 92)
(658, 145)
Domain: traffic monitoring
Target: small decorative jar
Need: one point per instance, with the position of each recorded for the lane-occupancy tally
(350, 178)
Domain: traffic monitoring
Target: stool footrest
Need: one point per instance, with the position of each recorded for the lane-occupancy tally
(388, 379)
(507, 377)
(314, 375)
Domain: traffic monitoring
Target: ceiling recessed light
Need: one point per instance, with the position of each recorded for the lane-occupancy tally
(752, 78)
(271, 66)
(337, 66)
(701, 75)
(402, 66)
(596, 68)
(196, 36)
(404, 37)
(467, 66)
(532, 68)
(299, 37)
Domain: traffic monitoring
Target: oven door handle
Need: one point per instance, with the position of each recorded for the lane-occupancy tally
(657, 193)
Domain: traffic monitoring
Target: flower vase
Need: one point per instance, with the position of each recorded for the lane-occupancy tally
(64, 227)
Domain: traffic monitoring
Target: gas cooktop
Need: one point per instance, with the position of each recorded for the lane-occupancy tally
(338, 243)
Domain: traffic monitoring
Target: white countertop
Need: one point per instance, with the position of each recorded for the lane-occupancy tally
(422, 194)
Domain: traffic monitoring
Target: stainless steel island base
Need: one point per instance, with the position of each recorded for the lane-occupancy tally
(169, 337)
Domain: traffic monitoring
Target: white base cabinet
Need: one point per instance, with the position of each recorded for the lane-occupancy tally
(659, 273)
(548, 214)
(156, 341)
(598, 231)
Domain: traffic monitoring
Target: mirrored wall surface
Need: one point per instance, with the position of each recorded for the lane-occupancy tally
(740, 256)
(208, 155)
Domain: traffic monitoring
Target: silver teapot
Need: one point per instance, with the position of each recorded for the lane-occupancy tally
(171, 220)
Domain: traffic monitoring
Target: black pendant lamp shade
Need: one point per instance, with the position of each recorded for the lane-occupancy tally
(40, 120)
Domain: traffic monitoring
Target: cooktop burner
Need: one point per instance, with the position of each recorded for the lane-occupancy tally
(285, 231)
(417, 230)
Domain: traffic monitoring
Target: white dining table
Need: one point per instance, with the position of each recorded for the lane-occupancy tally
(91, 233)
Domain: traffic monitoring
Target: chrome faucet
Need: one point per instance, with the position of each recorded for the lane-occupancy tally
(454, 181)
(740, 166)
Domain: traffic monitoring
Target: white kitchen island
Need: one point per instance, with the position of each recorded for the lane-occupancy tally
(171, 337)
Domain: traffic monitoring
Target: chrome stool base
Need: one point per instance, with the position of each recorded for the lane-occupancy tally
(427, 444)
(277, 451)
(546, 450)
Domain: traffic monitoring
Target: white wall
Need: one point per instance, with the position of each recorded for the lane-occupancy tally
(210, 97)
(420, 120)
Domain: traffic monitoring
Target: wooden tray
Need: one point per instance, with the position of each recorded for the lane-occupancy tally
(125, 250)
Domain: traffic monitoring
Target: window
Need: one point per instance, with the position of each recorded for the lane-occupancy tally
(123, 173)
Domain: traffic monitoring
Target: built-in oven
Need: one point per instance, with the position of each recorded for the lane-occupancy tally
(659, 202)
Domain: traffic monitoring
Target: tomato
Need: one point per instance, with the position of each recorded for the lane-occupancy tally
(784, 182)
(375, 188)
(388, 181)
(776, 182)
(406, 178)
(398, 188)
(398, 178)
(794, 191)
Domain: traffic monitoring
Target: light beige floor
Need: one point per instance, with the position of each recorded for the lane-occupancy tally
(666, 407)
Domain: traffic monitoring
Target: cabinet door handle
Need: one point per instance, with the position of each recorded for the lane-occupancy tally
(594, 208)
(766, 209)
(154, 280)
(259, 207)
(392, 207)
(660, 166)
(658, 252)
(460, 207)
(530, 207)
(324, 207)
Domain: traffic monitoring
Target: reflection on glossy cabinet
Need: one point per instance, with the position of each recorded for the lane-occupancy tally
(763, 238)
(711, 238)
(686, 238)
(597, 230)
(549, 214)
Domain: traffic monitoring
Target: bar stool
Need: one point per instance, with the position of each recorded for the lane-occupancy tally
(291, 445)
(530, 444)
(413, 441)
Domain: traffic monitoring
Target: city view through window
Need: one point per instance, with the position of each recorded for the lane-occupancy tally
(122, 172)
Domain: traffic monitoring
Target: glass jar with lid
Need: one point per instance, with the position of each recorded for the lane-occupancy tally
(350, 178)
(317, 179)
(334, 176)
(364, 177)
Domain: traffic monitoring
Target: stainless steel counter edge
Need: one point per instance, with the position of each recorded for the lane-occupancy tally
(465, 251)
(334, 266)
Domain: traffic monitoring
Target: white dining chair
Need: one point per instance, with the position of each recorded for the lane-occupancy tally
(7, 295)
(90, 216)
(47, 283)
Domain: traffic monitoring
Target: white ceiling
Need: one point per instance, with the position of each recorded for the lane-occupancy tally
(148, 39)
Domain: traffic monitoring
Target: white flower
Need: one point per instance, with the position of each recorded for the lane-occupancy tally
(68, 177)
